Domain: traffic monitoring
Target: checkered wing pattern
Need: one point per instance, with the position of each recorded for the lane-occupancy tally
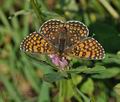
(76, 31)
(89, 48)
(65, 39)
(50, 30)
(36, 43)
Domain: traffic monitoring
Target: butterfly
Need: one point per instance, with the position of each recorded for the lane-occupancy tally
(63, 39)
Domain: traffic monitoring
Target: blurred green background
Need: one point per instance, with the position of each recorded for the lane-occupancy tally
(23, 79)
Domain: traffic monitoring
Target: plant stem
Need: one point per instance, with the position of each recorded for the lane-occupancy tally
(61, 89)
(110, 9)
(37, 10)
(78, 93)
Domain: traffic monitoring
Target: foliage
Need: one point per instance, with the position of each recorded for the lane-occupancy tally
(25, 79)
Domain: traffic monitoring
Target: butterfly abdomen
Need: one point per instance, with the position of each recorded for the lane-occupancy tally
(61, 45)
(62, 39)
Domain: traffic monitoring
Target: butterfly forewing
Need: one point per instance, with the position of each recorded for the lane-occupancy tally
(89, 48)
(50, 30)
(36, 43)
(76, 31)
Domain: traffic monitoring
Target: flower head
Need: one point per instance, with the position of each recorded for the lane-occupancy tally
(61, 62)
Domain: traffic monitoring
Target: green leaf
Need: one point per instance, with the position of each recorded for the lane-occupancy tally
(30, 74)
(77, 70)
(52, 77)
(117, 89)
(102, 97)
(111, 58)
(88, 87)
(96, 69)
(84, 69)
(44, 93)
(84, 97)
(42, 60)
(76, 79)
(108, 73)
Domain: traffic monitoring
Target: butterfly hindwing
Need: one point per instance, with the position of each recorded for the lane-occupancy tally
(36, 43)
(76, 31)
(89, 48)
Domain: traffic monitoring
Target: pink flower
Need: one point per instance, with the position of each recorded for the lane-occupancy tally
(58, 61)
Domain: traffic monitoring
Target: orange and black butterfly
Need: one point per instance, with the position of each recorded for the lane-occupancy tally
(64, 39)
